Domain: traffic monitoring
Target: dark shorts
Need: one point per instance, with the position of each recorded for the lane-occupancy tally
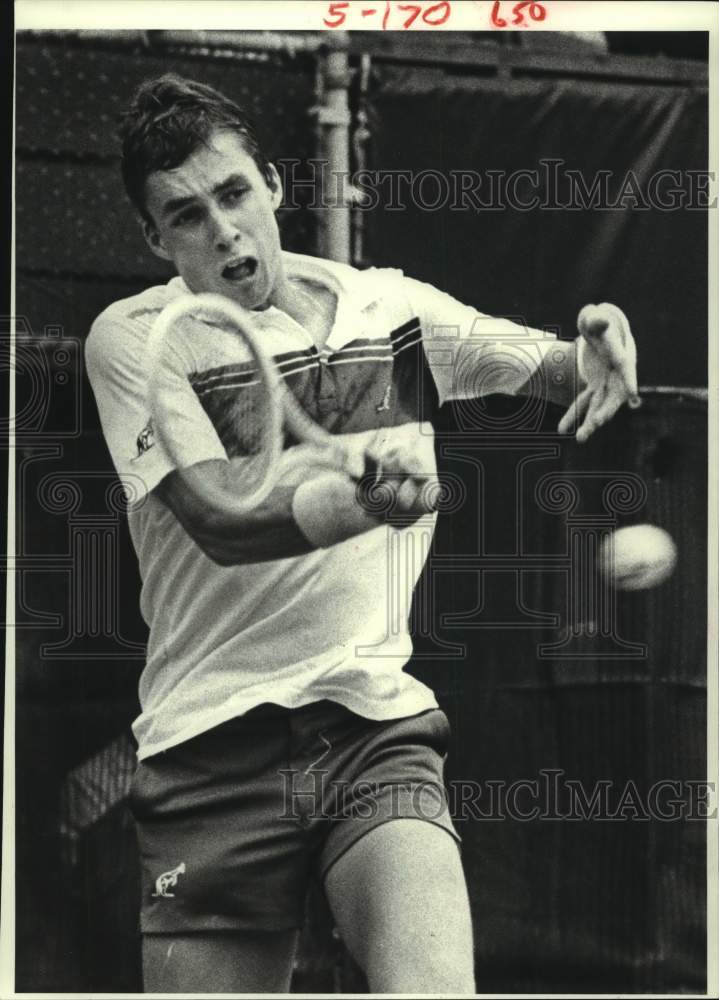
(234, 823)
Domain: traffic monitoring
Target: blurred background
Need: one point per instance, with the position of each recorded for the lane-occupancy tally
(530, 683)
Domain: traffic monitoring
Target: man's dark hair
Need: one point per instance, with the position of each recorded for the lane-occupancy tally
(168, 119)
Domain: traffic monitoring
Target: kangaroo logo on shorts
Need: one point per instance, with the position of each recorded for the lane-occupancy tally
(167, 880)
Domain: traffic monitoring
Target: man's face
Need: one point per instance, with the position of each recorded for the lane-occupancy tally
(214, 218)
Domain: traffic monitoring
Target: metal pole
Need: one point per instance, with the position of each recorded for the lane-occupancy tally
(334, 121)
(360, 137)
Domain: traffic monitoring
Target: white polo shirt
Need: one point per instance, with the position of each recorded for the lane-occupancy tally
(332, 623)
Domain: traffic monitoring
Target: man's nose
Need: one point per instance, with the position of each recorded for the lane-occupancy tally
(225, 233)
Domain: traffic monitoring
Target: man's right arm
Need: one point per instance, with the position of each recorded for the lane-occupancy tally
(267, 532)
(312, 506)
(271, 530)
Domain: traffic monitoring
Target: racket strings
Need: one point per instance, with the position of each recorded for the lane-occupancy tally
(204, 353)
(176, 353)
(231, 390)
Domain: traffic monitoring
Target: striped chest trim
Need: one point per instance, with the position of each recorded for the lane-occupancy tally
(357, 352)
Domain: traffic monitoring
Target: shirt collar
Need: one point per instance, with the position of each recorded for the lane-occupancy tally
(353, 294)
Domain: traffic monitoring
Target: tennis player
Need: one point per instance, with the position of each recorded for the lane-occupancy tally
(280, 739)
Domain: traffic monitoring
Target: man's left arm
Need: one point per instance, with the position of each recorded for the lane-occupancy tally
(594, 375)
(472, 355)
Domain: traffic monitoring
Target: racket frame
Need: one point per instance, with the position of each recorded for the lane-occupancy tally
(211, 306)
(283, 408)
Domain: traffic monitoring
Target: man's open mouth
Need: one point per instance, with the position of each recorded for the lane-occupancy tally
(240, 270)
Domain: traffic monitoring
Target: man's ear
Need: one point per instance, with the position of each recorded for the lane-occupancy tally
(154, 240)
(276, 192)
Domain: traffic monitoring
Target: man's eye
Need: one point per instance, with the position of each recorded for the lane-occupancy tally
(189, 215)
(235, 194)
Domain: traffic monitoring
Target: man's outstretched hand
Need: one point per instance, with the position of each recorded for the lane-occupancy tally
(607, 362)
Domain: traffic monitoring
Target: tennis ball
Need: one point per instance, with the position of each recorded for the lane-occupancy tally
(638, 557)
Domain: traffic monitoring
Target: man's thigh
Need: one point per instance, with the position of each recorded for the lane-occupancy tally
(217, 854)
(218, 962)
(399, 898)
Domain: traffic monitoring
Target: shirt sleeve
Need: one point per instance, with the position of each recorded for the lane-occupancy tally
(469, 353)
(116, 367)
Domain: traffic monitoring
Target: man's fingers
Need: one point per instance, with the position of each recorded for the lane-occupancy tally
(606, 330)
(628, 374)
(371, 467)
(589, 425)
(407, 496)
(400, 496)
(604, 405)
(612, 401)
(401, 459)
(575, 411)
(626, 364)
(592, 321)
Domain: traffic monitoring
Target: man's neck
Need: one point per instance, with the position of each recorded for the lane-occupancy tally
(311, 305)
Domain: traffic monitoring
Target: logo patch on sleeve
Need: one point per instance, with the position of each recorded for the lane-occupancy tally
(145, 440)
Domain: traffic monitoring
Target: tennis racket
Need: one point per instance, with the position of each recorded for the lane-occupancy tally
(260, 407)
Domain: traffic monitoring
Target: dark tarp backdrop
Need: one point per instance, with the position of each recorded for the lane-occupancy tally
(562, 906)
(543, 264)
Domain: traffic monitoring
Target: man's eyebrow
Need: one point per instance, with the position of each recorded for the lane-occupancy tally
(229, 182)
(174, 204)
